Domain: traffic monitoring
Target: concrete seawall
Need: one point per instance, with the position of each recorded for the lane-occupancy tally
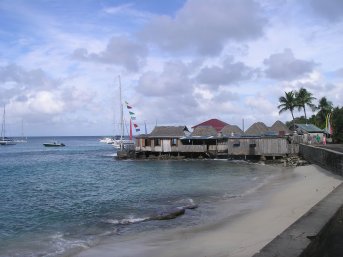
(326, 158)
(320, 231)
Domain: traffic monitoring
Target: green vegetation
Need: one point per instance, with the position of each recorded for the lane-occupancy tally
(300, 99)
(288, 103)
(337, 124)
(325, 107)
(303, 98)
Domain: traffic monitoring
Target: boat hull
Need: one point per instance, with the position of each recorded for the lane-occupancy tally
(5, 142)
(53, 145)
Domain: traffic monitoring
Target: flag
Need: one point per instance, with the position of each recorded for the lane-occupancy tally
(132, 116)
(128, 106)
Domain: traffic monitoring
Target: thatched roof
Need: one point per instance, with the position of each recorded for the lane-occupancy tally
(204, 131)
(229, 129)
(256, 129)
(169, 131)
(279, 126)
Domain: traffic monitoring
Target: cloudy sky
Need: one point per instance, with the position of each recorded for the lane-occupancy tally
(181, 62)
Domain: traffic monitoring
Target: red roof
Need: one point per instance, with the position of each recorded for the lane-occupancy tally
(217, 124)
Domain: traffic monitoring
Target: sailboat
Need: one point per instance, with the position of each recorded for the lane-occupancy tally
(23, 138)
(122, 143)
(3, 139)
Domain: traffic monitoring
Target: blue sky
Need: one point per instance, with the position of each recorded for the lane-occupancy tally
(180, 62)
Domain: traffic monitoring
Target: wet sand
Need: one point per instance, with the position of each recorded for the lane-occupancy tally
(284, 201)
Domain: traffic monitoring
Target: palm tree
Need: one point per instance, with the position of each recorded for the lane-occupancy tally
(303, 98)
(287, 103)
(324, 107)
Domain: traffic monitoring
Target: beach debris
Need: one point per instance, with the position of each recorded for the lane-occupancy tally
(294, 161)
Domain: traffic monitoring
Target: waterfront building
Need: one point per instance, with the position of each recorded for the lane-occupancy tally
(222, 141)
(162, 140)
(310, 133)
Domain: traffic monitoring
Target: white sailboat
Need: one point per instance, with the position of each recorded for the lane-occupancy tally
(3, 139)
(23, 139)
(122, 143)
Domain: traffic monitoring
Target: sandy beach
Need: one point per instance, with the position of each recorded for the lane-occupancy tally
(285, 199)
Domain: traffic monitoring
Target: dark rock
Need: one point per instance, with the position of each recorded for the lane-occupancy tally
(168, 214)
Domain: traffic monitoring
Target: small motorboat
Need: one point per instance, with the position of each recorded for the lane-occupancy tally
(53, 144)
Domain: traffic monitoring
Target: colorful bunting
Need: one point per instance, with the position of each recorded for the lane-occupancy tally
(127, 105)
(328, 126)
(132, 116)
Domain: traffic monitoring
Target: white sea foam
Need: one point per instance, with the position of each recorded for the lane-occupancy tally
(126, 221)
(61, 246)
(260, 185)
(229, 196)
(185, 201)
(110, 155)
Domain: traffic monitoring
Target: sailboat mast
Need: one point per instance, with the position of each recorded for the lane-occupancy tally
(4, 124)
(121, 117)
(22, 129)
(130, 129)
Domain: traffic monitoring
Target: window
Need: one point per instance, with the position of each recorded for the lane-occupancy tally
(147, 142)
(236, 144)
(252, 145)
(174, 141)
(157, 141)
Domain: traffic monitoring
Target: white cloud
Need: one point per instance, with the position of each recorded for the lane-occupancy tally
(285, 66)
(259, 104)
(207, 59)
(226, 74)
(46, 102)
(205, 26)
(330, 10)
(173, 80)
(119, 51)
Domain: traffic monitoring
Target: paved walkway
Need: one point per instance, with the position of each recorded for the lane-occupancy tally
(334, 245)
(335, 147)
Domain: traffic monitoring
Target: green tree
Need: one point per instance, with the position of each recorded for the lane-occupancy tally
(287, 103)
(303, 99)
(337, 125)
(324, 107)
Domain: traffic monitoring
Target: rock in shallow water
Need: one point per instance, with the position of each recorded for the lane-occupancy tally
(168, 214)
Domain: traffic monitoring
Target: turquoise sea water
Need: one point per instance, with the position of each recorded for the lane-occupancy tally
(54, 201)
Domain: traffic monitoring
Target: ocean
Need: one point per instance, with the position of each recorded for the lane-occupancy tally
(59, 201)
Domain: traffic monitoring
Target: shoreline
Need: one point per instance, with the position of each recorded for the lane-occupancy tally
(285, 199)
